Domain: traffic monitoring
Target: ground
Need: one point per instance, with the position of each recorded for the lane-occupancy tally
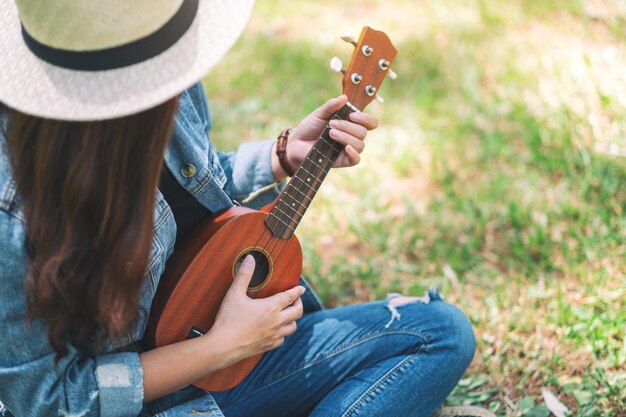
(498, 175)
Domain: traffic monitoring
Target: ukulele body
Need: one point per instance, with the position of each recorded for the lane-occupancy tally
(200, 272)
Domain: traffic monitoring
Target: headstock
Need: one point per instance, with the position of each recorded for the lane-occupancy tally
(369, 65)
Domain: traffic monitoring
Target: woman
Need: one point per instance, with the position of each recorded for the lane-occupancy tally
(105, 164)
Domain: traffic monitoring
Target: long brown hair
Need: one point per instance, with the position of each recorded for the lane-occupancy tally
(88, 191)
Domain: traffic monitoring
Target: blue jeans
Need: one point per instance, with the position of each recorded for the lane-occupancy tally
(360, 360)
(365, 359)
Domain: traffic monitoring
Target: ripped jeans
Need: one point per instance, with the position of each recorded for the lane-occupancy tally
(370, 360)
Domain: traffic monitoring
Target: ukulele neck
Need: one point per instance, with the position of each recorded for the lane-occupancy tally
(293, 202)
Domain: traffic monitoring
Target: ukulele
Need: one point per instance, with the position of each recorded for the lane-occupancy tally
(200, 271)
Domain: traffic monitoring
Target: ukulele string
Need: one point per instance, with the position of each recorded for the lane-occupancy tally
(264, 246)
(294, 200)
(278, 240)
(265, 260)
(351, 100)
(284, 225)
(257, 246)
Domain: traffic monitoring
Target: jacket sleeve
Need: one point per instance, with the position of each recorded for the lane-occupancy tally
(248, 170)
(30, 382)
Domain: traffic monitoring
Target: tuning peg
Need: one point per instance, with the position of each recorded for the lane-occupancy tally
(336, 65)
(379, 99)
(346, 37)
(383, 64)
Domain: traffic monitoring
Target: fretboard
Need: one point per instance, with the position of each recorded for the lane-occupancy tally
(298, 194)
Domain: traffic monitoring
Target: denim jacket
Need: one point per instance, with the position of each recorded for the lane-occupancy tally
(111, 384)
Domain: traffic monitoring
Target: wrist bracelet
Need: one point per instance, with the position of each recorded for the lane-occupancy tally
(281, 151)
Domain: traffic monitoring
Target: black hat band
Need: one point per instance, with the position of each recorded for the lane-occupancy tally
(123, 55)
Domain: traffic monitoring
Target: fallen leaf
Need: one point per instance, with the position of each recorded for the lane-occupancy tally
(555, 406)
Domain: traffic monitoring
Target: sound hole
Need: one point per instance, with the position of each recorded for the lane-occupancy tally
(261, 267)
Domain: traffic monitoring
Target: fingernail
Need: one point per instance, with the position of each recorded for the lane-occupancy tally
(333, 123)
(303, 289)
(248, 260)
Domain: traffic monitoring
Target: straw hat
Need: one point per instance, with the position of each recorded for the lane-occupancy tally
(100, 59)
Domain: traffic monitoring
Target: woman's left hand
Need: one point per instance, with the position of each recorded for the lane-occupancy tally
(350, 133)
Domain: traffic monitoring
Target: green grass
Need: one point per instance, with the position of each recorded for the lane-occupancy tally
(495, 175)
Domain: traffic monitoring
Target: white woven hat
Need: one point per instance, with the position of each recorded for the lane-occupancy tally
(100, 59)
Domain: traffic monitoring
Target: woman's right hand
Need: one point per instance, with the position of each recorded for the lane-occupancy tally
(246, 327)
(243, 328)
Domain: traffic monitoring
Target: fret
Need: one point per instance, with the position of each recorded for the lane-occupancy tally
(331, 152)
(313, 162)
(292, 205)
(305, 183)
(303, 194)
(288, 216)
(338, 147)
(280, 220)
(310, 173)
(328, 144)
(289, 206)
(323, 138)
(323, 155)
